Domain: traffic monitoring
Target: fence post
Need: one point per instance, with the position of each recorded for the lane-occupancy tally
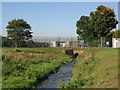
(46, 39)
(59, 42)
(71, 42)
(101, 41)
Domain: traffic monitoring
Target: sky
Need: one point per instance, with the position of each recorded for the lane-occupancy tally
(50, 19)
(60, 0)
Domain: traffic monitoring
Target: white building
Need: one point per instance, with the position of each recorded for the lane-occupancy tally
(116, 42)
(53, 44)
(62, 44)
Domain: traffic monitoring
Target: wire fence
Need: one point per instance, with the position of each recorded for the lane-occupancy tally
(49, 39)
(72, 42)
(55, 42)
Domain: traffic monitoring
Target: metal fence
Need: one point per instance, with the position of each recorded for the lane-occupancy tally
(57, 41)
(49, 39)
(72, 42)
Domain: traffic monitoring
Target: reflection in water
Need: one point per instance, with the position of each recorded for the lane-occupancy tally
(63, 75)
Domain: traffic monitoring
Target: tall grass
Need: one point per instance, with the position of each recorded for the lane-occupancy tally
(26, 69)
(98, 68)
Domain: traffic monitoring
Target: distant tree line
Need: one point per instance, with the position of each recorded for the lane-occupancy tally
(7, 42)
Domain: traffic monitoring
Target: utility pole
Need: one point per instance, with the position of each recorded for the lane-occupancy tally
(46, 39)
(71, 42)
(59, 42)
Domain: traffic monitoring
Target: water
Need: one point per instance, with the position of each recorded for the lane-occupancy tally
(63, 75)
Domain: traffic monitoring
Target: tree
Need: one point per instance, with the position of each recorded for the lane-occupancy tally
(116, 34)
(6, 42)
(84, 29)
(18, 30)
(98, 24)
(30, 43)
(103, 20)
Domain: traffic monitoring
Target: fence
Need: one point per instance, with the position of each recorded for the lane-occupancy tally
(97, 42)
(49, 39)
(57, 41)
(72, 42)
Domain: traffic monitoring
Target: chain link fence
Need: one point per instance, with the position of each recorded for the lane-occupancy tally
(72, 42)
(63, 42)
(57, 41)
(97, 42)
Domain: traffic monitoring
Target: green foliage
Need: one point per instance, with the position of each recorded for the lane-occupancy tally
(6, 42)
(103, 20)
(110, 34)
(95, 69)
(27, 72)
(83, 27)
(116, 34)
(19, 30)
(98, 24)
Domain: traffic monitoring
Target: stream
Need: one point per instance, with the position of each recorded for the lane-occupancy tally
(63, 75)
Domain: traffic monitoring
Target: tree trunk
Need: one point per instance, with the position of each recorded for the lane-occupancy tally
(101, 41)
(16, 46)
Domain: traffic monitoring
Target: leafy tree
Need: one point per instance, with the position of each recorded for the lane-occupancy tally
(83, 27)
(98, 24)
(110, 34)
(116, 34)
(30, 43)
(103, 20)
(6, 42)
(19, 30)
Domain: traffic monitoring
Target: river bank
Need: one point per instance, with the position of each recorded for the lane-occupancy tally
(98, 68)
(63, 75)
(26, 68)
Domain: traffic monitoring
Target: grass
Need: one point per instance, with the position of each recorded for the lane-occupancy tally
(39, 50)
(28, 68)
(98, 68)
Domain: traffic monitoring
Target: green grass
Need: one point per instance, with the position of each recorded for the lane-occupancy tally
(98, 68)
(0, 75)
(26, 69)
(38, 50)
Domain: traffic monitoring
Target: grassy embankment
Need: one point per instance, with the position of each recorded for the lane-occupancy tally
(98, 68)
(27, 68)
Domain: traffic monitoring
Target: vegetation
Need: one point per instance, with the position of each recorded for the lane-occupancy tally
(95, 69)
(98, 24)
(28, 68)
(116, 34)
(7, 42)
(18, 31)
